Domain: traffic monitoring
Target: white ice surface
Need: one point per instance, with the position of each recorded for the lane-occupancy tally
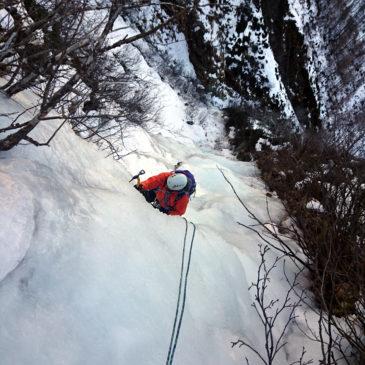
(99, 280)
(91, 271)
(17, 222)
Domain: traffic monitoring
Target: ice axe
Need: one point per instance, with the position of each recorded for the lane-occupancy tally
(137, 177)
(178, 165)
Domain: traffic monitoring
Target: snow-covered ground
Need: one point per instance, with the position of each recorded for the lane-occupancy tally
(90, 272)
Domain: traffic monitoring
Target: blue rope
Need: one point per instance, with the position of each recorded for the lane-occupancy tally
(175, 336)
(184, 297)
(178, 299)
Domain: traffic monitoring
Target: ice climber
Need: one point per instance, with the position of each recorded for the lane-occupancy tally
(169, 191)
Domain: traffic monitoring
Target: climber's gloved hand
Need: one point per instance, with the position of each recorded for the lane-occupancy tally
(145, 193)
(138, 187)
(164, 210)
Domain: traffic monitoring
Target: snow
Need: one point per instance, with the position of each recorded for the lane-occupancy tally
(90, 271)
(232, 132)
(266, 142)
(17, 224)
(99, 280)
(178, 51)
(174, 45)
(173, 112)
(6, 21)
(257, 124)
(315, 205)
(356, 99)
(261, 142)
(267, 60)
(306, 15)
(321, 65)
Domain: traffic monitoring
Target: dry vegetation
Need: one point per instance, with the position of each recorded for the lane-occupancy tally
(323, 189)
(322, 185)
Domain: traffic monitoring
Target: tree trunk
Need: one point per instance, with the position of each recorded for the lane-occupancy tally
(13, 139)
(23, 84)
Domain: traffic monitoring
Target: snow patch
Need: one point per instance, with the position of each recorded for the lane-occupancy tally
(315, 205)
(17, 222)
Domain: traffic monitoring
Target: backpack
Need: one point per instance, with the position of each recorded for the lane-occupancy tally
(191, 185)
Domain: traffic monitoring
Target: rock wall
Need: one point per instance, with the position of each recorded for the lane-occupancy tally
(230, 48)
(302, 58)
(291, 53)
(343, 32)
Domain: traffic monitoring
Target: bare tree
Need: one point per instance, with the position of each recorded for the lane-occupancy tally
(334, 262)
(272, 311)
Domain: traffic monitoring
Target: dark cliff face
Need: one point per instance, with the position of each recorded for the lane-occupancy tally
(202, 54)
(235, 56)
(228, 59)
(244, 69)
(255, 51)
(342, 24)
(290, 52)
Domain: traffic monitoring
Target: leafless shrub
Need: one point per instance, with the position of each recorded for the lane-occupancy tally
(340, 338)
(61, 51)
(271, 311)
(330, 232)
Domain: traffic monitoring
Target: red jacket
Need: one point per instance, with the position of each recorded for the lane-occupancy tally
(166, 197)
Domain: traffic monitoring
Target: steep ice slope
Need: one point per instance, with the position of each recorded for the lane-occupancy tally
(99, 281)
(90, 272)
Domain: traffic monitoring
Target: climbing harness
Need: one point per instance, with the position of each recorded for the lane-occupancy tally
(180, 307)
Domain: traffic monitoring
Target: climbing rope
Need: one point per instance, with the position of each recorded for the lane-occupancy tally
(180, 307)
